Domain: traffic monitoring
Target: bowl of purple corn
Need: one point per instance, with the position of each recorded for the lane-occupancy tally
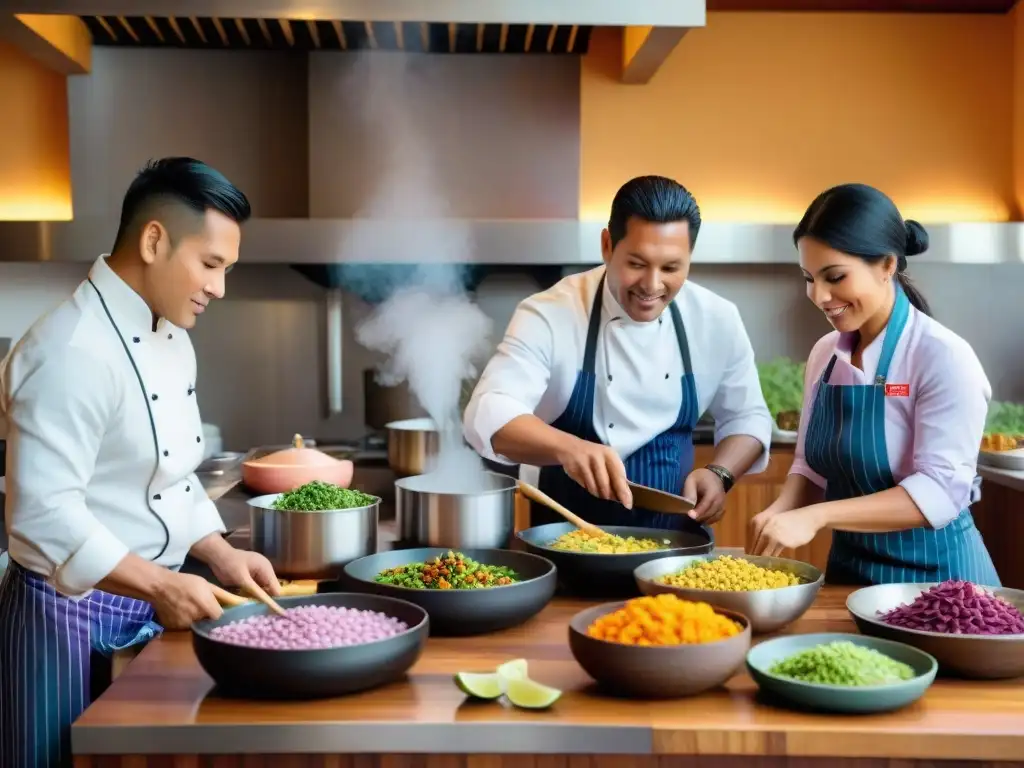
(972, 630)
(325, 645)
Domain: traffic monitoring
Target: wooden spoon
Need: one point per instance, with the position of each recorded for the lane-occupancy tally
(229, 599)
(542, 498)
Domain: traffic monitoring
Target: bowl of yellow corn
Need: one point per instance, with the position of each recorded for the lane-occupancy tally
(771, 591)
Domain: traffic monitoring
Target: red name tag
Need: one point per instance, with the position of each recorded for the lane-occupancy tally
(897, 390)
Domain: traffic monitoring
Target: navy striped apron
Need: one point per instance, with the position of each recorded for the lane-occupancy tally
(47, 643)
(662, 463)
(845, 444)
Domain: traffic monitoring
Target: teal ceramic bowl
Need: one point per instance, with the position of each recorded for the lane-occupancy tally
(840, 698)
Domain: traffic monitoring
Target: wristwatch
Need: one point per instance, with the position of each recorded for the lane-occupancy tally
(728, 481)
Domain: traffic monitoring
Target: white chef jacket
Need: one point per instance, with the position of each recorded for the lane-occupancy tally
(638, 368)
(104, 438)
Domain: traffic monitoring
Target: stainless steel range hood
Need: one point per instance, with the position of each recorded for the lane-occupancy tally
(675, 13)
(536, 242)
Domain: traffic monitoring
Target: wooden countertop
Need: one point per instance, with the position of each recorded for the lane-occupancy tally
(163, 702)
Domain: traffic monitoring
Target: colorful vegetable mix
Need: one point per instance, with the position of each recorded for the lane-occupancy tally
(450, 571)
(958, 608)
(318, 496)
(842, 663)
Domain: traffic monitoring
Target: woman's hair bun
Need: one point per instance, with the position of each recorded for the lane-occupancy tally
(917, 238)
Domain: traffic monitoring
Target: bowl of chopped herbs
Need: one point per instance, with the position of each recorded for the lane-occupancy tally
(465, 592)
(313, 531)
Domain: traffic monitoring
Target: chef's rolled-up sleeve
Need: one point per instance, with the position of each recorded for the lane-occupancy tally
(58, 415)
(514, 380)
(950, 410)
(738, 406)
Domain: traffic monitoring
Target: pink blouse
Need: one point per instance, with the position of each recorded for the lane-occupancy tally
(933, 423)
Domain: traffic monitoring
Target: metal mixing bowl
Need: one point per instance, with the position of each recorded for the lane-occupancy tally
(463, 611)
(768, 609)
(984, 657)
(315, 673)
(312, 545)
(588, 573)
(840, 698)
(655, 672)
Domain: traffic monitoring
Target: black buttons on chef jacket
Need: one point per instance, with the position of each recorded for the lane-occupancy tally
(609, 377)
(167, 453)
(136, 339)
(188, 488)
(611, 426)
(170, 335)
(199, 439)
(666, 375)
(157, 497)
(154, 397)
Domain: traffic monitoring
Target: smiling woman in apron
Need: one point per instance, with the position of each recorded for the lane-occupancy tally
(894, 411)
(596, 383)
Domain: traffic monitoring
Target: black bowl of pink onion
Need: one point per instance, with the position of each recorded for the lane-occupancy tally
(327, 645)
(972, 631)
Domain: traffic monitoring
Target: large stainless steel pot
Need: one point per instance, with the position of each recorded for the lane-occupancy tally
(429, 515)
(312, 545)
(412, 443)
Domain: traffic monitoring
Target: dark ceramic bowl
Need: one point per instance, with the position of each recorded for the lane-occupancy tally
(316, 673)
(591, 574)
(463, 611)
(656, 672)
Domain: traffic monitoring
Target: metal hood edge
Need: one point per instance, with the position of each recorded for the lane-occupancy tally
(511, 242)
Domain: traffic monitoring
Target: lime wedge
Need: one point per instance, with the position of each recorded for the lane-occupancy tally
(513, 670)
(480, 685)
(531, 695)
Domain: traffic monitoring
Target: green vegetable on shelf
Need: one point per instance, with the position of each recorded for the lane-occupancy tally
(318, 496)
(842, 663)
(782, 383)
(1005, 418)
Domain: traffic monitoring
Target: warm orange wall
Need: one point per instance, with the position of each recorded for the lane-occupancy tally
(35, 163)
(757, 113)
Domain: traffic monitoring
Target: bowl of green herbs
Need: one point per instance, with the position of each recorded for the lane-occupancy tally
(313, 531)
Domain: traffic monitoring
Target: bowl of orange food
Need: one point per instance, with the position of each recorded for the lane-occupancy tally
(1002, 450)
(659, 646)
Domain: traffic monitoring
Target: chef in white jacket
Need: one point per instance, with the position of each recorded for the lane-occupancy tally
(103, 503)
(604, 376)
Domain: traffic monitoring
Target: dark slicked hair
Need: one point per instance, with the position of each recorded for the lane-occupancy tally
(862, 221)
(654, 199)
(179, 181)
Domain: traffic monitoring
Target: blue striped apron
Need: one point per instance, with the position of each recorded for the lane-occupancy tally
(662, 463)
(46, 645)
(845, 444)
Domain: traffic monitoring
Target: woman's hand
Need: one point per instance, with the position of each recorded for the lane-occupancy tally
(778, 531)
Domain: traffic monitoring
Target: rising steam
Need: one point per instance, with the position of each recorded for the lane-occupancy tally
(433, 335)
